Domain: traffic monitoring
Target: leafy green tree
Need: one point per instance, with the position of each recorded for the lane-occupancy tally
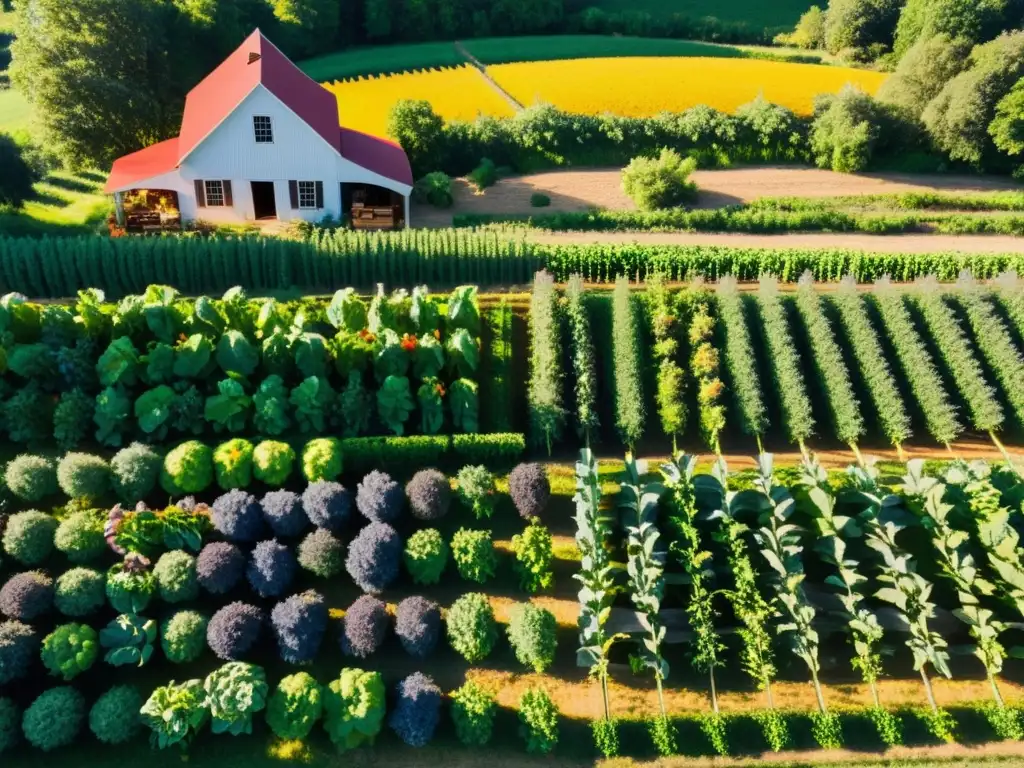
(1007, 130)
(309, 27)
(923, 71)
(860, 27)
(958, 118)
(101, 75)
(846, 131)
(420, 130)
(976, 20)
(16, 176)
(809, 32)
(378, 19)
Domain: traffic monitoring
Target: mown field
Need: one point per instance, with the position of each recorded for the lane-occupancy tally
(777, 13)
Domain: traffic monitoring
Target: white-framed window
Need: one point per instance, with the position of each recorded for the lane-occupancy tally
(263, 129)
(307, 194)
(214, 193)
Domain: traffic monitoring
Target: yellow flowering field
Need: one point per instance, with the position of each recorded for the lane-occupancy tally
(641, 87)
(458, 93)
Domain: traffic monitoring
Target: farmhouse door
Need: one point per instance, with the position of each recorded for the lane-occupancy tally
(264, 203)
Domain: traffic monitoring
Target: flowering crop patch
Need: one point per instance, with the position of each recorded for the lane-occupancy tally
(644, 86)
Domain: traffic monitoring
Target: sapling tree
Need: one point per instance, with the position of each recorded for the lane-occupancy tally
(685, 547)
(670, 378)
(741, 362)
(597, 589)
(645, 568)
(704, 364)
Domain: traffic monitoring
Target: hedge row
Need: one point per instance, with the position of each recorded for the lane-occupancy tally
(49, 267)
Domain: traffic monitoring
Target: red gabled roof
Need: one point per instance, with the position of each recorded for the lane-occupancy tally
(376, 154)
(144, 164)
(256, 61)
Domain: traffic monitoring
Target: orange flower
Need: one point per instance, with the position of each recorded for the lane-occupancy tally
(409, 343)
(439, 388)
(437, 334)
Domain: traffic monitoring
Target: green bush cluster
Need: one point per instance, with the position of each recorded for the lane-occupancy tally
(114, 718)
(70, 650)
(80, 592)
(31, 478)
(134, 472)
(187, 469)
(83, 476)
(183, 636)
(426, 555)
(273, 462)
(473, 711)
(472, 630)
(80, 536)
(321, 459)
(662, 182)
(533, 634)
(233, 464)
(295, 706)
(474, 556)
(54, 719)
(28, 536)
(175, 574)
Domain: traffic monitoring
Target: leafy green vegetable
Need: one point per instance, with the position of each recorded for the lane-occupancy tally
(394, 403)
(158, 364)
(90, 312)
(311, 355)
(463, 352)
(353, 352)
(428, 359)
(392, 359)
(153, 409)
(118, 364)
(113, 407)
(210, 317)
(192, 356)
(423, 311)
(129, 639)
(158, 309)
(355, 406)
(31, 361)
(233, 693)
(312, 400)
(271, 401)
(236, 354)
(347, 312)
(230, 408)
(277, 352)
(354, 708)
(465, 406)
(430, 396)
(389, 312)
(463, 310)
(175, 713)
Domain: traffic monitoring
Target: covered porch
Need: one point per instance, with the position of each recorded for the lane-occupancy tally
(369, 206)
(147, 210)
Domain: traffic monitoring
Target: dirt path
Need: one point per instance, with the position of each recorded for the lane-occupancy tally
(851, 241)
(580, 190)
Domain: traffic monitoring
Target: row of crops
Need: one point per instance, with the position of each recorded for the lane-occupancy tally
(156, 366)
(791, 568)
(879, 364)
(93, 591)
(59, 268)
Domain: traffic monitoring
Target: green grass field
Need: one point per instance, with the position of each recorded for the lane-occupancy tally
(64, 204)
(752, 13)
(14, 112)
(382, 59)
(501, 50)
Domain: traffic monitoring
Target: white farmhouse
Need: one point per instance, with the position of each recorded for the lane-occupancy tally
(261, 141)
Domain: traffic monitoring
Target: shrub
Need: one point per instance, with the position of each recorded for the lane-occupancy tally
(321, 553)
(273, 462)
(233, 693)
(80, 536)
(660, 183)
(130, 586)
(10, 717)
(175, 713)
(379, 498)
(28, 537)
(175, 574)
(846, 131)
(434, 189)
(271, 568)
(31, 478)
(327, 504)
(321, 459)
(80, 591)
(533, 557)
(373, 557)
(232, 462)
(70, 650)
(237, 516)
(472, 630)
(473, 552)
(295, 706)
(418, 625)
(284, 513)
(354, 708)
(18, 647)
(538, 716)
(484, 175)
(299, 624)
(539, 200)
(183, 636)
(418, 710)
(134, 471)
(530, 490)
(114, 718)
(187, 469)
(26, 596)
(473, 711)
(219, 567)
(533, 633)
(426, 555)
(129, 639)
(83, 476)
(54, 719)
(429, 494)
(477, 489)
(234, 630)
(365, 625)
(606, 737)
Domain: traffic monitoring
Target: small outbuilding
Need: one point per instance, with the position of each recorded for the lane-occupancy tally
(260, 141)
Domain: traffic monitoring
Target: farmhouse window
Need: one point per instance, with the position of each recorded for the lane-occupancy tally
(213, 193)
(306, 195)
(263, 129)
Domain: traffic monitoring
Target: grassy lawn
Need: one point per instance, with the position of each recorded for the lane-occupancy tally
(382, 59)
(752, 13)
(64, 204)
(14, 112)
(499, 50)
